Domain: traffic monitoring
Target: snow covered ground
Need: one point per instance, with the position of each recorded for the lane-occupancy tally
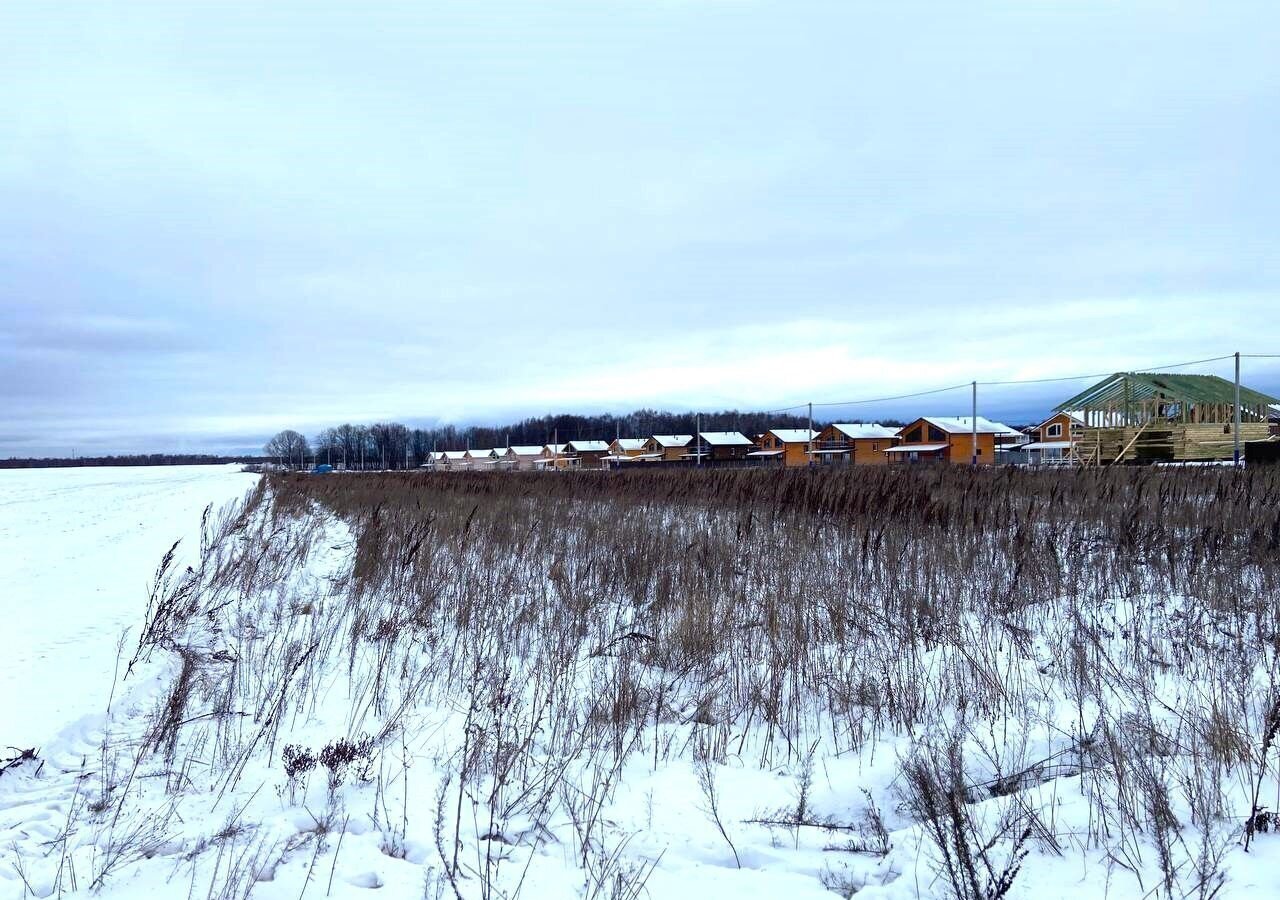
(438, 698)
(78, 548)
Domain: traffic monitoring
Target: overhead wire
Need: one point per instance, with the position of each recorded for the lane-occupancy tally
(1013, 381)
(1194, 362)
(942, 390)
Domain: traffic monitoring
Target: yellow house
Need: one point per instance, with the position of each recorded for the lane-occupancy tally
(946, 439)
(788, 446)
(553, 457)
(668, 447)
(855, 443)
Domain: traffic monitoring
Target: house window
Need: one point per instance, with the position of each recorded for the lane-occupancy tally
(914, 436)
(1054, 430)
(936, 436)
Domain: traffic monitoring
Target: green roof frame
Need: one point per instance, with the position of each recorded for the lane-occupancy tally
(1191, 390)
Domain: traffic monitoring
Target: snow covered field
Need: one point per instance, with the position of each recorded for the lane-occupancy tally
(520, 688)
(78, 547)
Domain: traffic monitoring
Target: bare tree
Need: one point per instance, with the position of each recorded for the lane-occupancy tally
(289, 448)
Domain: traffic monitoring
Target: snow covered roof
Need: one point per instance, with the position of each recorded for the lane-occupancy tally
(556, 448)
(859, 430)
(524, 450)
(672, 440)
(794, 435)
(479, 454)
(630, 443)
(455, 454)
(915, 448)
(765, 453)
(588, 446)
(964, 425)
(726, 438)
(997, 427)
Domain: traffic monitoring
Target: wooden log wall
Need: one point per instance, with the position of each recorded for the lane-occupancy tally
(1171, 443)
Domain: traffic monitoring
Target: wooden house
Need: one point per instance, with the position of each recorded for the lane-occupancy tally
(785, 446)
(1056, 439)
(1159, 416)
(668, 447)
(627, 447)
(452, 460)
(553, 457)
(854, 443)
(481, 460)
(723, 446)
(587, 454)
(945, 439)
(630, 450)
(521, 458)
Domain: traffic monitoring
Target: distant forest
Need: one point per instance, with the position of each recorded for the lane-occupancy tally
(391, 445)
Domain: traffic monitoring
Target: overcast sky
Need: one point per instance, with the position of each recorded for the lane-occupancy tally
(220, 220)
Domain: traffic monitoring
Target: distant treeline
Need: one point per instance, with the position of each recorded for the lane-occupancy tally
(136, 459)
(391, 445)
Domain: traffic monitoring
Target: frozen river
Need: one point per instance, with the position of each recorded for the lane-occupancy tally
(78, 548)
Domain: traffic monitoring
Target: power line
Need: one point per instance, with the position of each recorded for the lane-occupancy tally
(769, 412)
(943, 390)
(1015, 381)
(1194, 362)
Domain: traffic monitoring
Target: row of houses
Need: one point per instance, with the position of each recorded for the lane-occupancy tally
(931, 438)
(1127, 417)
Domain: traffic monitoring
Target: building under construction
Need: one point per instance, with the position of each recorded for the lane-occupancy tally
(1155, 417)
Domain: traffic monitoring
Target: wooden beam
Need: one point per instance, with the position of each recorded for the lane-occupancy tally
(1132, 441)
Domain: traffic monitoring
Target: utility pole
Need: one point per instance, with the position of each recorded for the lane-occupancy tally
(810, 432)
(974, 421)
(1236, 427)
(697, 439)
